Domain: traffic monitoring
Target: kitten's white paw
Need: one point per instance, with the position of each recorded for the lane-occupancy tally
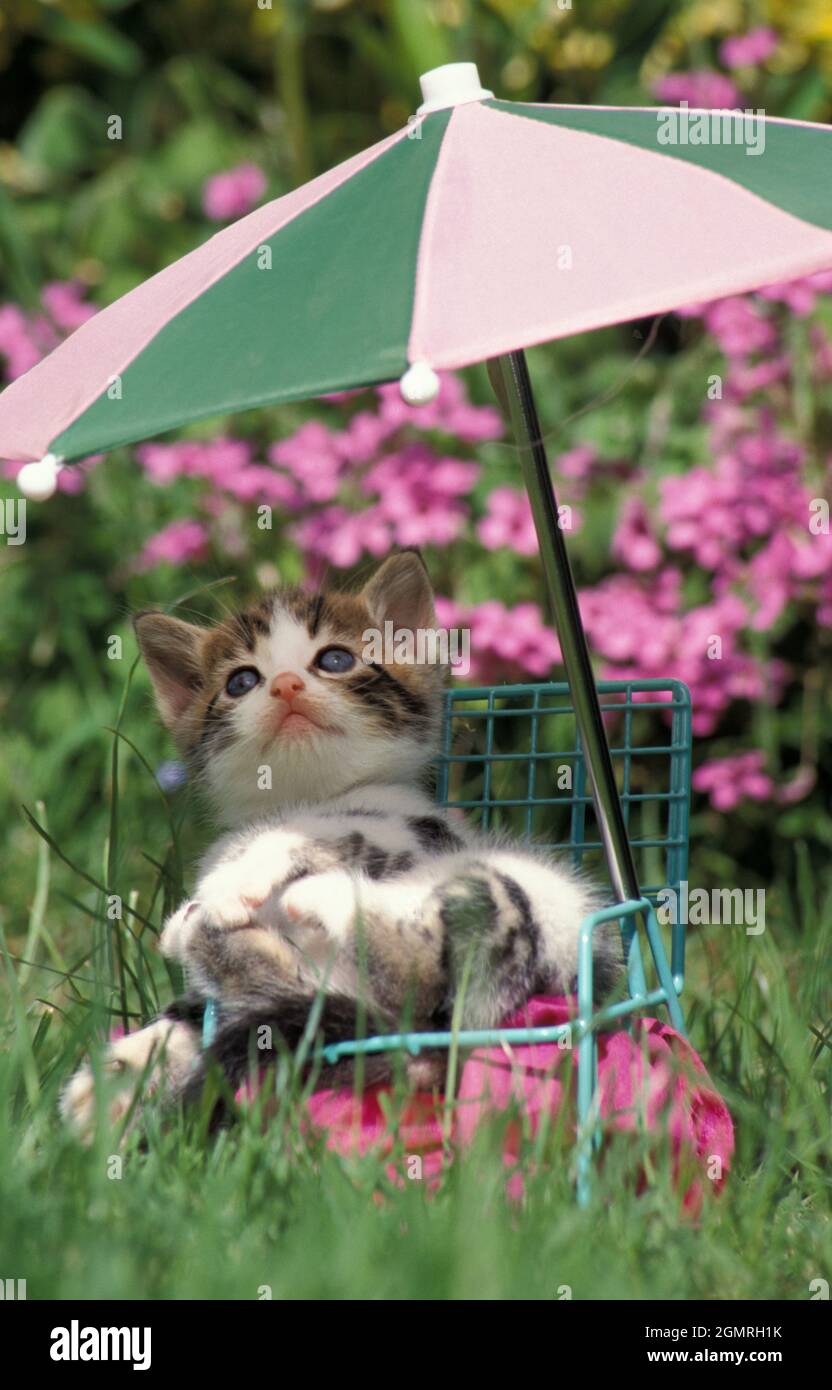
(228, 897)
(179, 929)
(78, 1103)
(230, 894)
(325, 900)
(164, 1048)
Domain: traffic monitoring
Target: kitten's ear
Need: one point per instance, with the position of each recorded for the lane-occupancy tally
(172, 652)
(400, 592)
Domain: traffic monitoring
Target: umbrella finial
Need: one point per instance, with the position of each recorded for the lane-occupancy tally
(38, 481)
(420, 384)
(450, 85)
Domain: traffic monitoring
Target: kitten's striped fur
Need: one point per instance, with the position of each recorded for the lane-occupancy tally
(337, 872)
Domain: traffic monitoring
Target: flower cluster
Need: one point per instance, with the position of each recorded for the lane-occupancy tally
(748, 50)
(702, 88)
(508, 522)
(353, 491)
(181, 543)
(233, 193)
(749, 526)
(727, 780)
(747, 518)
(742, 54)
(507, 643)
(27, 337)
(643, 631)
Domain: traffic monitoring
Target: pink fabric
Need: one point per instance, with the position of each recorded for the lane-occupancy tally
(653, 1076)
(39, 406)
(647, 232)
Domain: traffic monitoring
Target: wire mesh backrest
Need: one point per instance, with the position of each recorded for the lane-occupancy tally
(512, 756)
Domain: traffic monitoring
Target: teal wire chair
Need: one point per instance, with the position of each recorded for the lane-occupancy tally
(512, 760)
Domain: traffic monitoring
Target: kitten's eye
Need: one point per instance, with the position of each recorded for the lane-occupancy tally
(335, 660)
(242, 681)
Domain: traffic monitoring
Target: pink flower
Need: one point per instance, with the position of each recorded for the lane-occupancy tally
(744, 379)
(225, 463)
(62, 301)
(582, 466)
(17, 341)
(634, 545)
(750, 490)
(779, 572)
(26, 338)
(746, 50)
(637, 625)
(701, 89)
(362, 438)
(508, 522)
(342, 537)
(433, 524)
(222, 462)
(233, 193)
(740, 326)
(506, 643)
(417, 493)
(450, 412)
(175, 544)
(729, 780)
(314, 459)
(257, 483)
(578, 465)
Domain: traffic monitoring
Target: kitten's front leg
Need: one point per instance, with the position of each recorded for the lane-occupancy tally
(328, 901)
(232, 891)
(236, 936)
(159, 1056)
(234, 888)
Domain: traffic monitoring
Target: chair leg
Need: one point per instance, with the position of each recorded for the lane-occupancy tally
(664, 972)
(589, 1126)
(587, 1059)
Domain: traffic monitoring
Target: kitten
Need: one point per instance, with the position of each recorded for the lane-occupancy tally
(338, 874)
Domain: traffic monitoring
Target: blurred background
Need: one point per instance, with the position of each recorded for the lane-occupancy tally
(690, 486)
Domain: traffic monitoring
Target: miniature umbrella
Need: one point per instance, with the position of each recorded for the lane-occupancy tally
(482, 227)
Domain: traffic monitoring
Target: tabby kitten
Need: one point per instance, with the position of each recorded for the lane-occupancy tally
(338, 874)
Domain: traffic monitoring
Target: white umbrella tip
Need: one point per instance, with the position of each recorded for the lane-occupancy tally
(38, 481)
(450, 85)
(420, 384)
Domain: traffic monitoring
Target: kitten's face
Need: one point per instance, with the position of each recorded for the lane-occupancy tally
(277, 705)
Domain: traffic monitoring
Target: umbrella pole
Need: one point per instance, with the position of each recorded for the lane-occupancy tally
(513, 376)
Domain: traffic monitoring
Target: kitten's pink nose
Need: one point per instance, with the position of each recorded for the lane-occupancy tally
(286, 686)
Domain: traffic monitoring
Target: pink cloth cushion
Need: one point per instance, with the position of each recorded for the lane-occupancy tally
(653, 1075)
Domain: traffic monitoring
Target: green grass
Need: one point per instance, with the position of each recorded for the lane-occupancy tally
(185, 1216)
(188, 1219)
